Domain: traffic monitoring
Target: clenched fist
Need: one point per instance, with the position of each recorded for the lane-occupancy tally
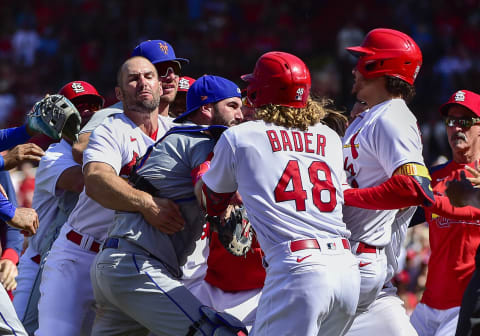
(25, 219)
(22, 153)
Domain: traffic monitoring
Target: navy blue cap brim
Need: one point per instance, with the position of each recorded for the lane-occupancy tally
(181, 117)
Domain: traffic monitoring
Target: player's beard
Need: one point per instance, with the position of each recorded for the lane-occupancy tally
(141, 105)
(219, 119)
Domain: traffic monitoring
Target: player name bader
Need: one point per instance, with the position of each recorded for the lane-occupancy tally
(297, 141)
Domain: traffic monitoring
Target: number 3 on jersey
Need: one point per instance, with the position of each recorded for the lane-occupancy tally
(298, 193)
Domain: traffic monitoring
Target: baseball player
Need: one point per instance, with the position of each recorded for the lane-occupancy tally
(382, 148)
(453, 242)
(179, 105)
(168, 66)
(58, 182)
(286, 168)
(462, 193)
(229, 283)
(22, 218)
(136, 276)
(11, 240)
(66, 298)
(161, 54)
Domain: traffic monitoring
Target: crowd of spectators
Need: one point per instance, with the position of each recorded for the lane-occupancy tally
(46, 43)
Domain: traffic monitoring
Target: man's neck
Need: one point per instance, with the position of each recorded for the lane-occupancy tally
(466, 156)
(147, 122)
(163, 109)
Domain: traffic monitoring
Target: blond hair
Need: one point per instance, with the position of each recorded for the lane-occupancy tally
(316, 111)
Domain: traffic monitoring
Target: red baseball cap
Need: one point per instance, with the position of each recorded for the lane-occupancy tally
(184, 83)
(465, 98)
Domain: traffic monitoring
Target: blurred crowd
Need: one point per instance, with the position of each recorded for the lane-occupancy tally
(46, 43)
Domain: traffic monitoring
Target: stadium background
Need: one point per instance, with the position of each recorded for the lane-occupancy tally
(47, 43)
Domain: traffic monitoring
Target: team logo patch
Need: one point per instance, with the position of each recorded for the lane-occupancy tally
(299, 94)
(163, 47)
(460, 96)
(184, 84)
(78, 87)
(238, 91)
(331, 246)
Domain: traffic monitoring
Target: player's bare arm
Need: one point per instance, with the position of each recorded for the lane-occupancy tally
(104, 186)
(21, 153)
(71, 179)
(79, 146)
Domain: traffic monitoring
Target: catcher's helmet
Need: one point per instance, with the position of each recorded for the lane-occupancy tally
(279, 78)
(388, 52)
(78, 89)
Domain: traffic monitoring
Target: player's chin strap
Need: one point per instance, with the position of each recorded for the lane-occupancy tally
(218, 324)
(409, 186)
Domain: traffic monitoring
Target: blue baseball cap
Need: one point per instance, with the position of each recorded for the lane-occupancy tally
(157, 51)
(208, 89)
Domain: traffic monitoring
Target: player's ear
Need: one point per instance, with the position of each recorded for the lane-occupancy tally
(207, 110)
(118, 93)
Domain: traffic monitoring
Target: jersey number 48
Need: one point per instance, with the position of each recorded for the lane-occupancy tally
(299, 194)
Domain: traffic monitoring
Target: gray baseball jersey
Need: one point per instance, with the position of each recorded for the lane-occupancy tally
(167, 167)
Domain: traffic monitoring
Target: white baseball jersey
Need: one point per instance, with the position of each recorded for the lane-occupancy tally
(117, 142)
(46, 196)
(300, 196)
(394, 249)
(374, 146)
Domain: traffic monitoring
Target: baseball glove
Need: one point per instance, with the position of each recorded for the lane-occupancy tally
(235, 232)
(53, 116)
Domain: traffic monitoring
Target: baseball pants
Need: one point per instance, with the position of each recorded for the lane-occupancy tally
(241, 304)
(308, 291)
(136, 294)
(9, 322)
(66, 301)
(385, 316)
(27, 293)
(428, 321)
(373, 271)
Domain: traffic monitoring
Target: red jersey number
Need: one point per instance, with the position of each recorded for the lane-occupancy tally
(298, 193)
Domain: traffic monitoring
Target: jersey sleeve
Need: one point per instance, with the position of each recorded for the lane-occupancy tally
(221, 177)
(103, 146)
(99, 116)
(397, 141)
(10, 137)
(55, 161)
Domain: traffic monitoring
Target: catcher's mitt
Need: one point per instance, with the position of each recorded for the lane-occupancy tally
(235, 232)
(53, 116)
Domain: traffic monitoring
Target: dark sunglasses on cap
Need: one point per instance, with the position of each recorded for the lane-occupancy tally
(464, 122)
(165, 68)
